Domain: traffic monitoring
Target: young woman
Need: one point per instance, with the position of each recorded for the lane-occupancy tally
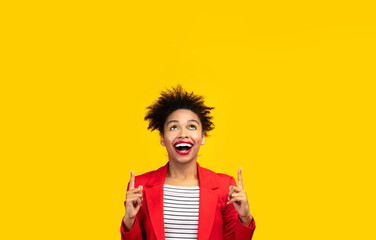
(182, 200)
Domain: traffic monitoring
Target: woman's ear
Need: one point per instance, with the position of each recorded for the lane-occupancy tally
(162, 140)
(203, 139)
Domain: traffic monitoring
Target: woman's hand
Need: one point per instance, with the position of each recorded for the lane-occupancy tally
(238, 197)
(133, 203)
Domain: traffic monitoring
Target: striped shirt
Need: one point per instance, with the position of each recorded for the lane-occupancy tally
(180, 212)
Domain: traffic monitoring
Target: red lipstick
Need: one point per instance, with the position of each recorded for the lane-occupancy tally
(185, 152)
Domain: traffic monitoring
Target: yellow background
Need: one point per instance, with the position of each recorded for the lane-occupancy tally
(292, 83)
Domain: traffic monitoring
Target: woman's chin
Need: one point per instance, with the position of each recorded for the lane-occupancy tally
(182, 159)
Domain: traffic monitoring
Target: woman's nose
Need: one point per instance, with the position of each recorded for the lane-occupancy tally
(183, 133)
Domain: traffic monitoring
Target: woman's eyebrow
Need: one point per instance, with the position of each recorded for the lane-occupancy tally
(194, 121)
(172, 121)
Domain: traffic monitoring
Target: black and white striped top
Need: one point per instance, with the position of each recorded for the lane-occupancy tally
(180, 212)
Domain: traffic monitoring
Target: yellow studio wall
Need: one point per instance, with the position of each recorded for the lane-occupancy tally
(292, 83)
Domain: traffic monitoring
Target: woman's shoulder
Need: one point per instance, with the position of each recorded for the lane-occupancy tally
(221, 179)
(152, 177)
(215, 174)
(144, 177)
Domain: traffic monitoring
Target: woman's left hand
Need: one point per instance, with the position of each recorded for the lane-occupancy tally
(238, 197)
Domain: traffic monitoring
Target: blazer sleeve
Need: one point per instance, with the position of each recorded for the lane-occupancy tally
(134, 234)
(233, 228)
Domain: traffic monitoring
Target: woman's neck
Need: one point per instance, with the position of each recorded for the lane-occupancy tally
(182, 174)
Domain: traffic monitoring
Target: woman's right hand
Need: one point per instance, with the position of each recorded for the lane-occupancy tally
(133, 203)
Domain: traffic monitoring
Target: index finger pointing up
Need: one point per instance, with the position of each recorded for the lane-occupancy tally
(240, 178)
(131, 182)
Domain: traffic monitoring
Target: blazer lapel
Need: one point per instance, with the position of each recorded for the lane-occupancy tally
(208, 203)
(207, 208)
(154, 199)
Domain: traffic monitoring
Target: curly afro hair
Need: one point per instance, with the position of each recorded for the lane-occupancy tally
(178, 98)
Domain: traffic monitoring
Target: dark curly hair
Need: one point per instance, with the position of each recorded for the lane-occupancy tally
(178, 98)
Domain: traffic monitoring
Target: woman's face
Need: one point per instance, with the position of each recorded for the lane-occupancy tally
(183, 136)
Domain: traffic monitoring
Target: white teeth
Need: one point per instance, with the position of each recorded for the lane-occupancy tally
(183, 145)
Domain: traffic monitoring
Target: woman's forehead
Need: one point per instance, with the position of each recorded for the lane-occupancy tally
(182, 115)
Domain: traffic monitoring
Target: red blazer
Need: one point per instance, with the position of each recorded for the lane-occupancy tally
(217, 220)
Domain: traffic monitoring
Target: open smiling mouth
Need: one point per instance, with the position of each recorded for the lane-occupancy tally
(183, 148)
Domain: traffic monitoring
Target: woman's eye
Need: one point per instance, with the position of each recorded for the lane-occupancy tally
(192, 127)
(173, 128)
